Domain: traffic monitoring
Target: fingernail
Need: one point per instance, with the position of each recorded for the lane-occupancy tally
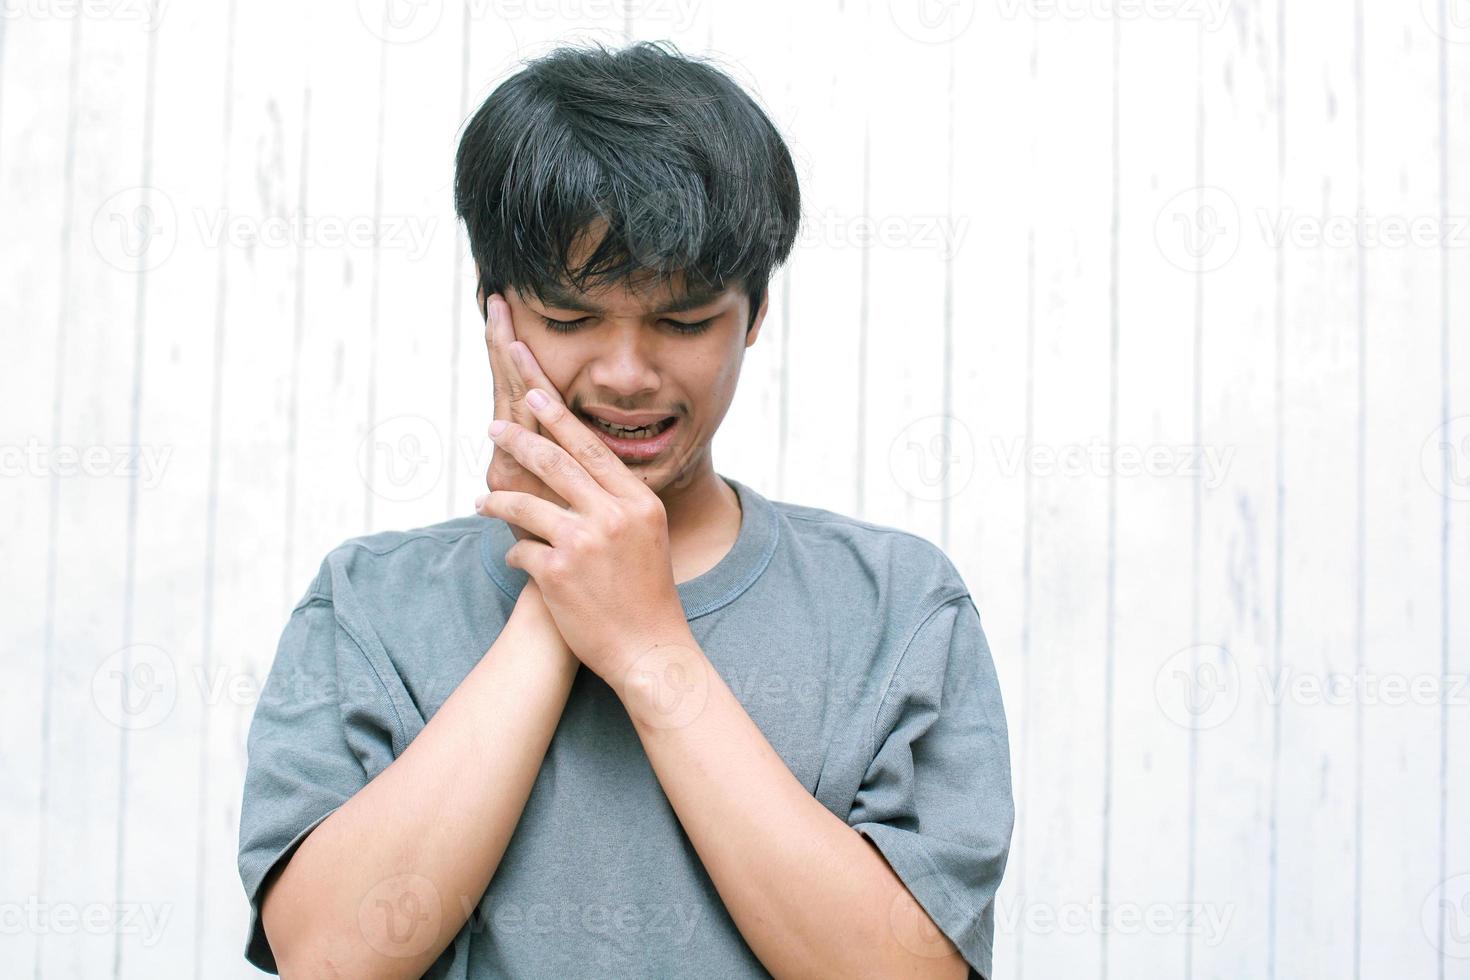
(480, 500)
(537, 398)
(498, 426)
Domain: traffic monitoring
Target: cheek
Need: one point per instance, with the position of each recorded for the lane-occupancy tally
(713, 378)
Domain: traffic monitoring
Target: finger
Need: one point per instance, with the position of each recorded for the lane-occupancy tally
(517, 384)
(530, 556)
(539, 516)
(508, 386)
(528, 369)
(554, 465)
(530, 375)
(497, 372)
(510, 390)
(578, 440)
(521, 533)
(508, 473)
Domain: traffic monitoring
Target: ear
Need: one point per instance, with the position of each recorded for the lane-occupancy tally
(760, 317)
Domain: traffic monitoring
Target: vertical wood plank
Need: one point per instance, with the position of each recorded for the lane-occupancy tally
(902, 372)
(1316, 889)
(1073, 217)
(35, 193)
(93, 565)
(1241, 153)
(165, 853)
(335, 453)
(1445, 908)
(1401, 682)
(1151, 807)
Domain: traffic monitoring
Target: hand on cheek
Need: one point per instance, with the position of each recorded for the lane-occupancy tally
(505, 471)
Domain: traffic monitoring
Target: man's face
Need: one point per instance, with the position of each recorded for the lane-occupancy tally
(650, 350)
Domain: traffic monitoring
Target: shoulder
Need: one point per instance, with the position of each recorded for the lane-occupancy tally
(901, 565)
(400, 616)
(395, 561)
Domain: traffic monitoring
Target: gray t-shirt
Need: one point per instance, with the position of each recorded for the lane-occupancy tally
(855, 647)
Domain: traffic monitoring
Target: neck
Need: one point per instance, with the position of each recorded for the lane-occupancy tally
(704, 520)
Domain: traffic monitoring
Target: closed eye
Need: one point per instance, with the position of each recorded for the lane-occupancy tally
(679, 326)
(562, 326)
(690, 328)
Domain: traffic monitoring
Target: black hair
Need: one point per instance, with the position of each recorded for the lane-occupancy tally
(663, 152)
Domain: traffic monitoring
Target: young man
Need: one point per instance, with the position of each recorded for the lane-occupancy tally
(631, 718)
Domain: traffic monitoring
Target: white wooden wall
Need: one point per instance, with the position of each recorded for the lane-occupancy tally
(1178, 230)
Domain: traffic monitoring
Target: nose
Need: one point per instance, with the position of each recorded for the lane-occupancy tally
(623, 364)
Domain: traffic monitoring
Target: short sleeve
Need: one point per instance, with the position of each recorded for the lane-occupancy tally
(936, 798)
(321, 730)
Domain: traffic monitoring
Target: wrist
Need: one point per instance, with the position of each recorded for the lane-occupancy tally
(663, 683)
(531, 605)
(532, 614)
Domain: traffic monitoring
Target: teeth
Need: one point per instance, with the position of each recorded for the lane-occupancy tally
(642, 432)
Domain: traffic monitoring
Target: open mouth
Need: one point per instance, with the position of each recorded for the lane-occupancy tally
(628, 432)
(635, 443)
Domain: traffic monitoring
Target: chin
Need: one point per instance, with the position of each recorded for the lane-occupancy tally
(660, 480)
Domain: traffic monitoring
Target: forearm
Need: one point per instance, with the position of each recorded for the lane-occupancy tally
(811, 896)
(429, 831)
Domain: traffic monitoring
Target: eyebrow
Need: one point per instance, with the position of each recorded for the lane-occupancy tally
(557, 296)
